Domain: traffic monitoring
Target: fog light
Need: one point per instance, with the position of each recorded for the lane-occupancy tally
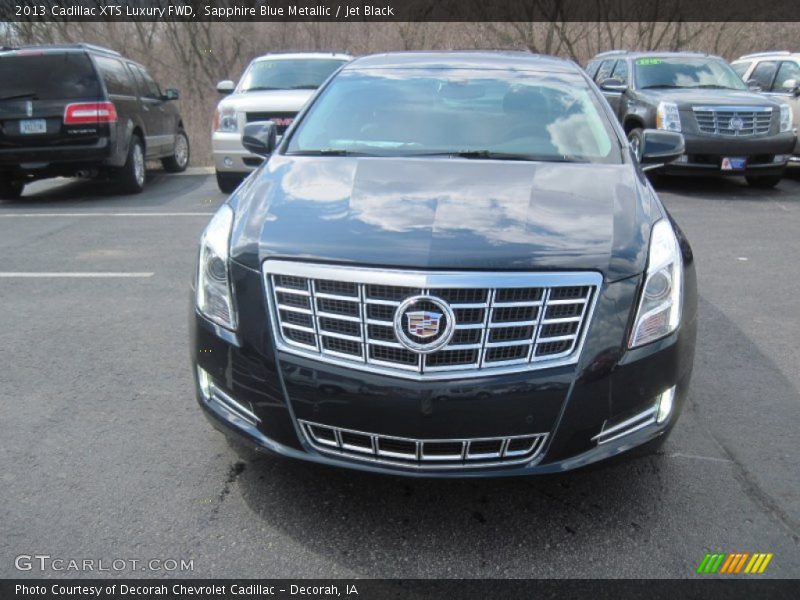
(780, 158)
(205, 383)
(665, 401)
(683, 158)
(228, 162)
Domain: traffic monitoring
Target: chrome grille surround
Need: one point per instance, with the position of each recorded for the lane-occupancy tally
(716, 120)
(423, 453)
(505, 322)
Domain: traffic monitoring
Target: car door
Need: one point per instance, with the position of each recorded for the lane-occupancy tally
(158, 142)
(785, 86)
(620, 73)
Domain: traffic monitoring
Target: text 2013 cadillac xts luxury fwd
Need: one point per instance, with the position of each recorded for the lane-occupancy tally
(451, 265)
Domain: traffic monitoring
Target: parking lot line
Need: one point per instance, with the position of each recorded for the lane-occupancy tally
(105, 214)
(75, 274)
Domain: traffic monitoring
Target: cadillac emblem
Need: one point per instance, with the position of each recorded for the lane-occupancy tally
(736, 124)
(424, 324)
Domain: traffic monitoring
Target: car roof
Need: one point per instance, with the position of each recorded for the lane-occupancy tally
(306, 55)
(651, 53)
(455, 59)
(60, 48)
(771, 54)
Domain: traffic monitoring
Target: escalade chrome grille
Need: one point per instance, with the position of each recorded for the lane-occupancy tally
(423, 454)
(509, 321)
(732, 120)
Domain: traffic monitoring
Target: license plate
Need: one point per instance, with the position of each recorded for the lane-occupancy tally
(32, 126)
(734, 163)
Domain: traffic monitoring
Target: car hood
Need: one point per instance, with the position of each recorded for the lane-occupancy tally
(277, 100)
(445, 214)
(710, 97)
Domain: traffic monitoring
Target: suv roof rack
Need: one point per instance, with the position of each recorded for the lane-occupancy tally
(770, 53)
(611, 53)
(81, 46)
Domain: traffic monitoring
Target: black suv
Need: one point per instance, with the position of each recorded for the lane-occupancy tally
(82, 110)
(728, 129)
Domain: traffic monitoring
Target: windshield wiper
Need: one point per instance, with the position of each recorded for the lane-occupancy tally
(328, 152)
(713, 86)
(31, 95)
(662, 86)
(492, 155)
(306, 86)
(261, 88)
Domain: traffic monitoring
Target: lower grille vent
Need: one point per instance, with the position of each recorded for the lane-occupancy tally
(423, 454)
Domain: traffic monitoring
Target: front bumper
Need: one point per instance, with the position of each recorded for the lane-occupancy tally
(230, 156)
(766, 155)
(572, 404)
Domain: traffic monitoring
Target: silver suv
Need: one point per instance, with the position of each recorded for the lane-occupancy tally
(775, 74)
(274, 87)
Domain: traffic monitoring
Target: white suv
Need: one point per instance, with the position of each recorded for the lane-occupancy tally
(274, 87)
(776, 74)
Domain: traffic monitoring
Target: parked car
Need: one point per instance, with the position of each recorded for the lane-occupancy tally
(82, 110)
(274, 87)
(729, 130)
(447, 221)
(777, 75)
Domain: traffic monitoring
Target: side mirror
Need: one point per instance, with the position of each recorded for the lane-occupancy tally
(661, 147)
(612, 84)
(226, 86)
(791, 86)
(260, 137)
(754, 86)
(170, 94)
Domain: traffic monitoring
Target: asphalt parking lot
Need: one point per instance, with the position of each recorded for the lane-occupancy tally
(104, 453)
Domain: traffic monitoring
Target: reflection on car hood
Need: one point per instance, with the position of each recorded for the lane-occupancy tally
(687, 98)
(277, 100)
(445, 214)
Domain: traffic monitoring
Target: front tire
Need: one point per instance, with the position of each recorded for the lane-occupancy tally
(11, 189)
(636, 140)
(228, 182)
(763, 181)
(132, 175)
(179, 160)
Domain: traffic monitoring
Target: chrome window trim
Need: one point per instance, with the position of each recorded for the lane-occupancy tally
(424, 280)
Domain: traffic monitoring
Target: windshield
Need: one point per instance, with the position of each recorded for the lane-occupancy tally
(474, 113)
(288, 74)
(40, 76)
(674, 72)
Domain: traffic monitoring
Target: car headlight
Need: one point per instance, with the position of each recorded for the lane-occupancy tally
(659, 311)
(226, 120)
(668, 117)
(214, 298)
(786, 118)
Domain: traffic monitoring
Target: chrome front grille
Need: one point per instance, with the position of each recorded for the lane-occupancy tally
(508, 321)
(733, 120)
(423, 454)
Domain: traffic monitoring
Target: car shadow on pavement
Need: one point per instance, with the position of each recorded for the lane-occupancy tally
(160, 189)
(690, 494)
(727, 188)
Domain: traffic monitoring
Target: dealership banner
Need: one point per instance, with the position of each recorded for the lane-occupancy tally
(368, 589)
(399, 10)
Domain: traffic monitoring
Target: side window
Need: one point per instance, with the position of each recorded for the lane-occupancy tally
(764, 73)
(621, 71)
(788, 70)
(740, 68)
(151, 89)
(116, 76)
(137, 77)
(605, 70)
(591, 68)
